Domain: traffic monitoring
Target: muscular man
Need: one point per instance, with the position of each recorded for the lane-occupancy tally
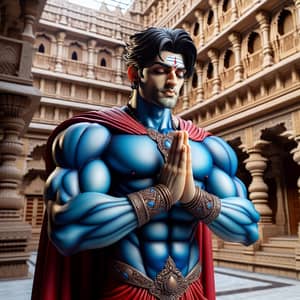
(136, 182)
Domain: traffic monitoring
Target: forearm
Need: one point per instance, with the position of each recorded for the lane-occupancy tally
(90, 220)
(237, 221)
(232, 218)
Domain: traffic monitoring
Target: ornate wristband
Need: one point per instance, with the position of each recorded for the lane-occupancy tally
(150, 202)
(205, 206)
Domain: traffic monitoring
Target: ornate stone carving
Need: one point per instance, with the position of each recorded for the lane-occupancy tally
(256, 165)
(9, 57)
(263, 19)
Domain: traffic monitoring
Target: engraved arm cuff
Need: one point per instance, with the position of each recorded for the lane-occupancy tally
(150, 202)
(205, 206)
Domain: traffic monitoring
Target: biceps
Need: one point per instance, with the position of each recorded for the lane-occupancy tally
(64, 184)
(222, 185)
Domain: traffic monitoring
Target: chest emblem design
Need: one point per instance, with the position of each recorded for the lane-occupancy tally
(163, 141)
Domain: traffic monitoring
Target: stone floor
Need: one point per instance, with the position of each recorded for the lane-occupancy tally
(230, 285)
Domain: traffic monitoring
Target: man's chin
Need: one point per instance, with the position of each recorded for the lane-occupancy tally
(168, 102)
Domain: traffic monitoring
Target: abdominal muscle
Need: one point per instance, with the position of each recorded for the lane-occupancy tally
(148, 248)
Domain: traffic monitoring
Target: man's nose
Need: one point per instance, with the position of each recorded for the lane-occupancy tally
(172, 78)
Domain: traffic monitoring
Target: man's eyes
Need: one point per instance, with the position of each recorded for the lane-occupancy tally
(158, 71)
(180, 73)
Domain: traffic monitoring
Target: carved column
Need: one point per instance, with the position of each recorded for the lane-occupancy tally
(187, 27)
(297, 4)
(264, 23)
(200, 19)
(63, 19)
(258, 190)
(59, 53)
(296, 156)
(235, 40)
(200, 91)
(14, 234)
(29, 15)
(234, 11)
(214, 57)
(215, 7)
(119, 52)
(185, 98)
(91, 59)
(277, 167)
(159, 9)
(256, 165)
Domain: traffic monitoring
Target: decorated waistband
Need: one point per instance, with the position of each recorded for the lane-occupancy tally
(169, 283)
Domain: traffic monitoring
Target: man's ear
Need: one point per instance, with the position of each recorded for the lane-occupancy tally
(132, 73)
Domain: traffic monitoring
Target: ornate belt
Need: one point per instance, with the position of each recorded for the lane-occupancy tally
(169, 284)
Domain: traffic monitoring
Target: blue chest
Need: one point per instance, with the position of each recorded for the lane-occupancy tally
(134, 156)
(138, 157)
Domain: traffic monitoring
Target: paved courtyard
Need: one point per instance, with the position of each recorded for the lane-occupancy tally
(230, 285)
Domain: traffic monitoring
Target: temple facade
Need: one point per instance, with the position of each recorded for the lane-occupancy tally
(245, 88)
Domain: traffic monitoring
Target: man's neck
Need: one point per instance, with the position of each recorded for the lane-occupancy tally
(153, 116)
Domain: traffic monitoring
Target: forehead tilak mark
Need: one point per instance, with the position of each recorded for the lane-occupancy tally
(175, 61)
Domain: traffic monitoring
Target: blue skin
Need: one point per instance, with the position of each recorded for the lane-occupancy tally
(88, 207)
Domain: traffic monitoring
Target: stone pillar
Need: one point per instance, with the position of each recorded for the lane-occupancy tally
(297, 4)
(159, 9)
(214, 57)
(59, 52)
(281, 217)
(118, 53)
(296, 156)
(185, 98)
(234, 11)
(14, 233)
(29, 20)
(91, 59)
(215, 7)
(200, 91)
(235, 40)
(187, 27)
(258, 190)
(200, 19)
(256, 165)
(264, 23)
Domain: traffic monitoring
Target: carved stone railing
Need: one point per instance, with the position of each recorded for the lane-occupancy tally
(110, 24)
(253, 63)
(74, 67)
(208, 88)
(267, 89)
(225, 19)
(44, 61)
(176, 13)
(105, 74)
(244, 5)
(209, 32)
(286, 45)
(227, 77)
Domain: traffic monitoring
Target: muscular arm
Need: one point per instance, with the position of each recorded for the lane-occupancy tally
(81, 213)
(237, 221)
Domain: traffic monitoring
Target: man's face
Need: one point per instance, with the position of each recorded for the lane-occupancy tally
(162, 81)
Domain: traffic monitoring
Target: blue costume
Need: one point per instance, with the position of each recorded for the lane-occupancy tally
(106, 191)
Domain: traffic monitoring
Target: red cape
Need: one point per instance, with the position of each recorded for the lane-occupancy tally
(79, 276)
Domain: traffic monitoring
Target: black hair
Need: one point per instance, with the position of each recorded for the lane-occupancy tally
(144, 46)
